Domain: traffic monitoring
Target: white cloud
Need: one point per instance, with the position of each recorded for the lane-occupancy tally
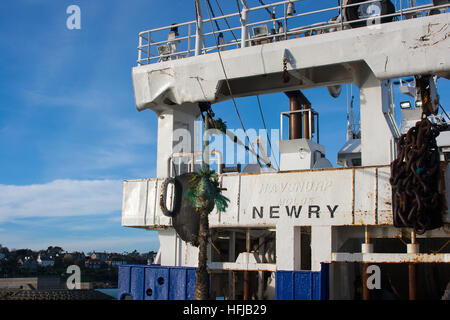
(60, 198)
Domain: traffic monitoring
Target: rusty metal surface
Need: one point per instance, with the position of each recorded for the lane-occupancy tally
(365, 200)
(419, 201)
(412, 283)
(365, 276)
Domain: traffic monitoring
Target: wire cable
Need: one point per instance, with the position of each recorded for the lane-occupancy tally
(444, 111)
(267, 132)
(441, 248)
(239, 9)
(229, 89)
(212, 12)
(268, 11)
(226, 20)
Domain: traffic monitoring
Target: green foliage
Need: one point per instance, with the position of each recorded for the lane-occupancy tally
(204, 189)
(220, 125)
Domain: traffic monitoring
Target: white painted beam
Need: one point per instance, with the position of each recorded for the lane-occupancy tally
(232, 266)
(395, 49)
(391, 257)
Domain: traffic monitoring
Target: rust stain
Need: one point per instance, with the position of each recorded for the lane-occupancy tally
(423, 41)
(376, 196)
(163, 71)
(199, 79)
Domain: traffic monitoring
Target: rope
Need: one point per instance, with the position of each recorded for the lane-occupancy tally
(265, 128)
(229, 88)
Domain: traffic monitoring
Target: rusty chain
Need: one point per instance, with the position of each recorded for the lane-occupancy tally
(417, 178)
(285, 75)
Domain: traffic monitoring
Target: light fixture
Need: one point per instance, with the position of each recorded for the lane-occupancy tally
(405, 105)
(418, 103)
(260, 31)
(290, 9)
(164, 50)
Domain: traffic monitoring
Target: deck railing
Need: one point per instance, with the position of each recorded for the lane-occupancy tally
(196, 37)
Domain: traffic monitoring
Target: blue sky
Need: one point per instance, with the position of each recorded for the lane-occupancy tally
(69, 130)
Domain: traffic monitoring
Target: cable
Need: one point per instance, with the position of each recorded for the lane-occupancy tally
(229, 88)
(212, 12)
(231, 135)
(226, 21)
(441, 248)
(239, 9)
(268, 11)
(267, 132)
(444, 111)
(196, 11)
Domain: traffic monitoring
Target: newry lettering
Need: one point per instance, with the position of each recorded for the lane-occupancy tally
(311, 211)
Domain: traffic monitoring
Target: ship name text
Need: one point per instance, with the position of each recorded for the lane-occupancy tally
(312, 211)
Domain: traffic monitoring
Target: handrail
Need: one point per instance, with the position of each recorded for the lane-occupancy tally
(312, 114)
(192, 160)
(151, 41)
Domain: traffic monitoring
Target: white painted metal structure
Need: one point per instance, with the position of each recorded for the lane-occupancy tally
(334, 204)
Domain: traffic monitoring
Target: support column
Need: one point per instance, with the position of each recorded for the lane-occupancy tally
(199, 29)
(321, 246)
(288, 247)
(167, 240)
(376, 135)
(262, 249)
(244, 22)
(232, 258)
(175, 135)
(247, 273)
(295, 125)
(412, 248)
(366, 247)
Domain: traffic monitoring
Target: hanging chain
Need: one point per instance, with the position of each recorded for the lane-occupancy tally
(417, 176)
(285, 75)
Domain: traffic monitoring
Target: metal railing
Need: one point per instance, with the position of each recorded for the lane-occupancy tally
(189, 38)
(313, 121)
(190, 159)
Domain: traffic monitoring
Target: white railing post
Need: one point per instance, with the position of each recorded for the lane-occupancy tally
(199, 29)
(139, 50)
(244, 22)
(149, 40)
(189, 41)
(401, 12)
(285, 21)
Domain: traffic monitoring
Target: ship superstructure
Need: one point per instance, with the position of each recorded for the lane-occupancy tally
(302, 229)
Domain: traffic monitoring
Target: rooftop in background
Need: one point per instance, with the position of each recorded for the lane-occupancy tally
(17, 294)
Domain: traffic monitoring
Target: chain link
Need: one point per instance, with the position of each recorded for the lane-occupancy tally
(417, 179)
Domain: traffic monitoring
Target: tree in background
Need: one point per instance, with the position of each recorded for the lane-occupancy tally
(205, 193)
